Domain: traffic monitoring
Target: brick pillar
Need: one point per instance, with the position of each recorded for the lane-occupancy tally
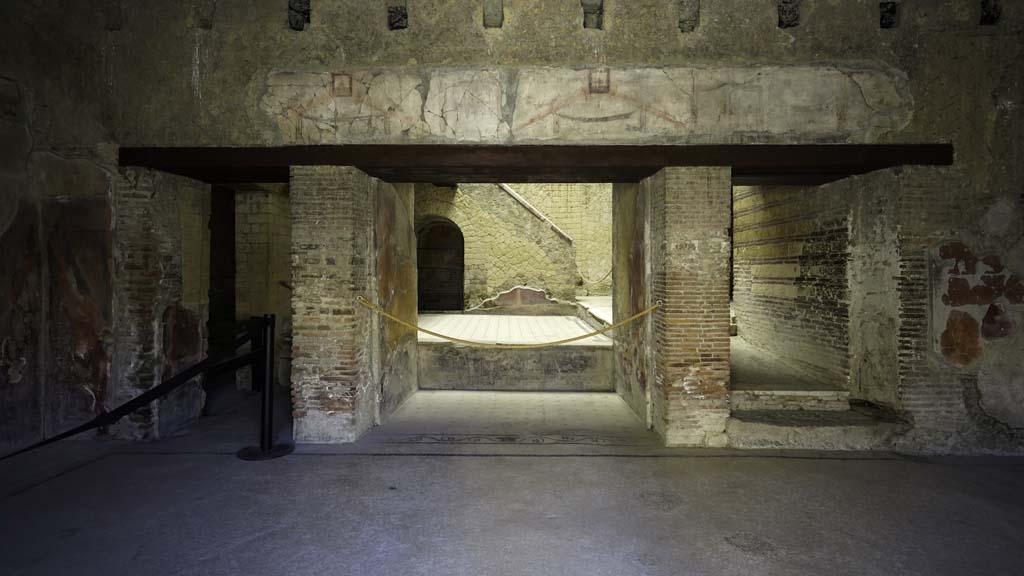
(160, 251)
(332, 224)
(690, 215)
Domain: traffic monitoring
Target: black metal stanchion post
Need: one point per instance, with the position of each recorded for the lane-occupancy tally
(257, 329)
(266, 449)
(267, 398)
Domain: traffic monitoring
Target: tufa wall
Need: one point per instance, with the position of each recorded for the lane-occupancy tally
(584, 212)
(790, 276)
(505, 244)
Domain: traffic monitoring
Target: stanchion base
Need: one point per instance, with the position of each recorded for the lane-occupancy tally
(253, 453)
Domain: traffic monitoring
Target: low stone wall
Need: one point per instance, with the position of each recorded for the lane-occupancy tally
(446, 366)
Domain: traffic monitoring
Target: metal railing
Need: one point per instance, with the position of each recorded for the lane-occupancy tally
(260, 331)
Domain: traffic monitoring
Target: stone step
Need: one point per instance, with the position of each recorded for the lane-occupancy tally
(447, 366)
(854, 429)
(762, 400)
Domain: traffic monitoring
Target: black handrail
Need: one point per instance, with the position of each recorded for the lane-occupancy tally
(261, 357)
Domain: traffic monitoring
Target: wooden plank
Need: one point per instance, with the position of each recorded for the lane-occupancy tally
(449, 164)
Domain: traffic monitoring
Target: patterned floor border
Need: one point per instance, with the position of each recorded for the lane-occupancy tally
(482, 439)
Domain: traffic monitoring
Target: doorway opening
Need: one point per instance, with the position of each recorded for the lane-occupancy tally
(440, 258)
(520, 264)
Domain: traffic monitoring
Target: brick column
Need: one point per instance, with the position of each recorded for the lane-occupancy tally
(332, 224)
(690, 214)
(160, 251)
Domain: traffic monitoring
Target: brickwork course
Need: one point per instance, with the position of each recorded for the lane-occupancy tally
(690, 245)
(161, 280)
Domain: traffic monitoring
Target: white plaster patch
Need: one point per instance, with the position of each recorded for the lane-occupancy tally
(325, 428)
(388, 106)
(559, 104)
(301, 106)
(1001, 382)
(1003, 216)
(467, 105)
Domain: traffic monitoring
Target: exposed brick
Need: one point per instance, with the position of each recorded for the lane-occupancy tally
(690, 217)
(791, 248)
(158, 260)
(332, 227)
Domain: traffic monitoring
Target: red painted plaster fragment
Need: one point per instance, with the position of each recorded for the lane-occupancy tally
(960, 340)
(960, 254)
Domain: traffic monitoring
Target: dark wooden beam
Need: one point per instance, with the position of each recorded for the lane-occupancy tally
(446, 163)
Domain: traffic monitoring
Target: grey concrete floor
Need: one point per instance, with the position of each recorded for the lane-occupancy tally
(186, 505)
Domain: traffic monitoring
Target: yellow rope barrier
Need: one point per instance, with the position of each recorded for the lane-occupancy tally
(632, 318)
(588, 281)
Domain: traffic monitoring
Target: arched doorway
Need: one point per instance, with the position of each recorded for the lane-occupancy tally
(440, 256)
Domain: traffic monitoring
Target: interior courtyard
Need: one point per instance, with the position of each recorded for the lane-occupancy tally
(511, 287)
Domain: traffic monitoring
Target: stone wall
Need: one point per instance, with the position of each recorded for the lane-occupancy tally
(263, 267)
(960, 313)
(873, 276)
(631, 247)
(505, 244)
(584, 212)
(690, 248)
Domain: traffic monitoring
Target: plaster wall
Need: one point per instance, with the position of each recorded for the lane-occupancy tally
(631, 294)
(396, 278)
